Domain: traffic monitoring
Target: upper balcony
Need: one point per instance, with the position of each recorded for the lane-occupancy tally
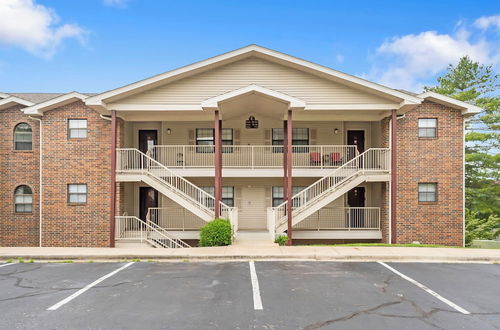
(248, 160)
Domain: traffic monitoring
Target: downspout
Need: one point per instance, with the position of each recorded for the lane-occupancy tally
(105, 117)
(40, 180)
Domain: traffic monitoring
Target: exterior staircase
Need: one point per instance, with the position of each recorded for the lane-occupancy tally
(364, 167)
(133, 229)
(134, 165)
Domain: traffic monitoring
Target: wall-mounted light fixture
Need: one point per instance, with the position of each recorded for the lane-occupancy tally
(169, 131)
(336, 131)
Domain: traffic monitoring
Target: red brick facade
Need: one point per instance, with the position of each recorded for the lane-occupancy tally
(67, 161)
(17, 168)
(425, 160)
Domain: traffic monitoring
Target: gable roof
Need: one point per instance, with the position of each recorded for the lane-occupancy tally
(100, 100)
(467, 109)
(13, 100)
(58, 101)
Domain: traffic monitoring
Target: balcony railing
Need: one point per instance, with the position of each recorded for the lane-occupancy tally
(254, 157)
(342, 218)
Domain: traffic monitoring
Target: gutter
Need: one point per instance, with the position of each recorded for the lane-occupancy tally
(40, 181)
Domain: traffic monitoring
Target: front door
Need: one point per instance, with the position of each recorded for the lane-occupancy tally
(148, 197)
(356, 200)
(252, 210)
(147, 139)
(356, 138)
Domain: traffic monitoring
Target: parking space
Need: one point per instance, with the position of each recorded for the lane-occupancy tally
(294, 295)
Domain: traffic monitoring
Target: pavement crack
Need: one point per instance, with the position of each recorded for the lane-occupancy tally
(350, 316)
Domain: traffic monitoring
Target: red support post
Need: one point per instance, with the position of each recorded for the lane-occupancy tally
(218, 162)
(289, 175)
(394, 175)
(285, 168)
(112, 211)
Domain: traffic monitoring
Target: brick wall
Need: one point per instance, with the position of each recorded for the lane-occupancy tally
(17, 168)
(430, 160)
(67, 161)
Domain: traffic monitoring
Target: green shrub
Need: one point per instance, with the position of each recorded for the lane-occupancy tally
(281, 240)
(217, 232)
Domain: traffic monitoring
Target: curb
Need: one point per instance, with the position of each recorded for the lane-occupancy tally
(300, 257)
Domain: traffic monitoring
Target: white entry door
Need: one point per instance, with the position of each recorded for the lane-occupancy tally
(252, 210)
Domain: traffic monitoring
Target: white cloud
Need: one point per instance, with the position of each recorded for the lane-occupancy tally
(486, 22)
(33, 27)
(115, 3)
(410, 61)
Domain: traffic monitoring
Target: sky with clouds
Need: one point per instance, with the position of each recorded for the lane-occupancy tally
(96, 45)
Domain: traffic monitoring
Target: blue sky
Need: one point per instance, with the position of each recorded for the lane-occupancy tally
(96, 45)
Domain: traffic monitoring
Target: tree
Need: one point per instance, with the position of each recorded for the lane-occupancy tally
(474, 83)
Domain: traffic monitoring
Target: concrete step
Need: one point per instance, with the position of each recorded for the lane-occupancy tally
(253, 238)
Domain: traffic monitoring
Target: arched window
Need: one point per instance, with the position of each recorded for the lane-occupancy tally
(22, 137)
(23, 199)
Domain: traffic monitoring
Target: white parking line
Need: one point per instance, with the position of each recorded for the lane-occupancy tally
(3, 265)
(79, 292)
(426, 289)
(257, 302)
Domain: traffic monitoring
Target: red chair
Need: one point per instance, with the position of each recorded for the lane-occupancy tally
(335, 158)
(315, 158)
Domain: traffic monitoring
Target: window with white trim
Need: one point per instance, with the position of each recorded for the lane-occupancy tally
(206, 137)
(427, 127)
(77, 128)
(227, 194)
(23, 199)
(278, 194)
(77, 193)
(427, 192)
(23, 137)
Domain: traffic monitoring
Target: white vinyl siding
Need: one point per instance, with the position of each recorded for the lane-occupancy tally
(296, 83)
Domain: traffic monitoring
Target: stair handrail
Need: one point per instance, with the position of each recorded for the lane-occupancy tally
(167, 233)
(146, 162)
(360, 163)
(148, 229)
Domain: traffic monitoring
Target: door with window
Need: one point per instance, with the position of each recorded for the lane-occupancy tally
(147, 139)
(148, 197)
(356, 202)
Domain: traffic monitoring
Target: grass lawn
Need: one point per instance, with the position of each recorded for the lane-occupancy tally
(391, 245)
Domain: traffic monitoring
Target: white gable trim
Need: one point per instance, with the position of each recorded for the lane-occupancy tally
(13, 100)
(252, 50)
(293, 103)
(40, 108)
(467, 109)
(3, 95)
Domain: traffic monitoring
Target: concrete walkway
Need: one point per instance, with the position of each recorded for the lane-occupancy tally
(237, 252)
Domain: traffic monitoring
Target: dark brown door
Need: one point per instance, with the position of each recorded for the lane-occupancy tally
(356, 138)
(147, 139)
(356, 200)
(148, 197)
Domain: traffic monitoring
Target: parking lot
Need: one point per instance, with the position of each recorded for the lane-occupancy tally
(247, 295)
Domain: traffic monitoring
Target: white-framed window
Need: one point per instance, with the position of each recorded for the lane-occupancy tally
(206, 137)
(427, 192)
(77, 128)
(77, 193)
(227, 194)
(23, 136)
(278, 194)
(23, 199)
(427, 127)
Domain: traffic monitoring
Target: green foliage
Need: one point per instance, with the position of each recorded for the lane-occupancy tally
(281, 240)
(478, 84)
(480, 228)
(216, 233)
